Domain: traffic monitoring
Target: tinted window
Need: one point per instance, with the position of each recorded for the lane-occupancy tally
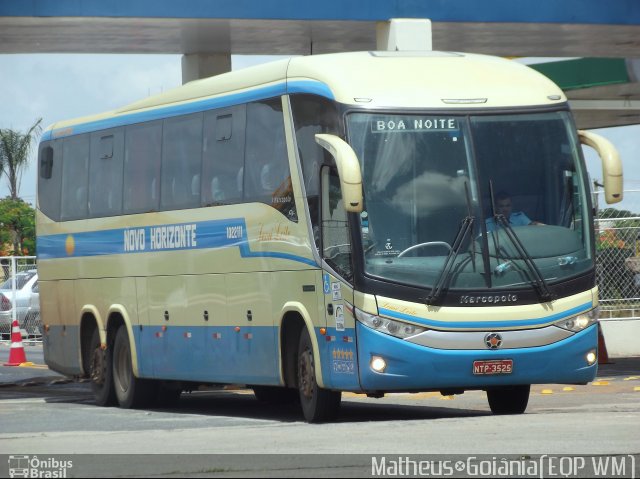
(267, 177)
(313, 114)
(181, 162)
(223, 156)
(142, 168)
(50, 179)
(75, 174)
(105, 173)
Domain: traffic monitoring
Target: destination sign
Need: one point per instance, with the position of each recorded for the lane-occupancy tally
(413, 124)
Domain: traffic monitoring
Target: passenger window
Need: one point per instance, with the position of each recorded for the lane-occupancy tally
(50, 183)
(223, 156)
(75, 175)
(267, 175)
(105, 173)
(181, 162)
(142, 168)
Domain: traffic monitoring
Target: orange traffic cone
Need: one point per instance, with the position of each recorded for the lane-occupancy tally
(603, 357)
(16, 354)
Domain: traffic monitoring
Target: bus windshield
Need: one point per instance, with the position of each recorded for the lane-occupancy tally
(488, 201)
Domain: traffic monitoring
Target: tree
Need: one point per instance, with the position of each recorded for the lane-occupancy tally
(18, 220)
(15, 150)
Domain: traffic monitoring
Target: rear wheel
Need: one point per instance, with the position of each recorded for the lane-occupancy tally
(509, 399)
(318, 404)
(132, 392)
(101, 372)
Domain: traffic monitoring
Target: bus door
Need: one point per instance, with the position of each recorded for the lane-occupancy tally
(340, 358)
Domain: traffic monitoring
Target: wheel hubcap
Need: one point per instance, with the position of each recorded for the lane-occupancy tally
(123, 369)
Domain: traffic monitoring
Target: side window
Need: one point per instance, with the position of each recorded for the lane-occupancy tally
(105, 173)
(336, 245)
(313, 114)
(223, 156)
(50, 179)
(142, 167)
(181, 162)
(267, 176)
(75, 175)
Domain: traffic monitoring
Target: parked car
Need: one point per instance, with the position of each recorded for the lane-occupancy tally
(24, 304)
(32, 323)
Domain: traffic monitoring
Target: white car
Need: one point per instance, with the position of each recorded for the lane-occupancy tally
(26, 287)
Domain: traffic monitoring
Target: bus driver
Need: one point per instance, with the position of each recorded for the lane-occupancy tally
(504, 207)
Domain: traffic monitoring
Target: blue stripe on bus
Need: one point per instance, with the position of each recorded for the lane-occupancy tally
(262, 93)
(157, 238)
(487, 324)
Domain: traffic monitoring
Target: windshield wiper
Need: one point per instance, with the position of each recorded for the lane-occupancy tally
(466, 227)
(539, 282)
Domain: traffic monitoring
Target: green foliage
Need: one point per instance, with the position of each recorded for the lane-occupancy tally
(15, 151)
(18, 227)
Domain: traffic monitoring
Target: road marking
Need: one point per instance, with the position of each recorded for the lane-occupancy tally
(631, 378)
(568, 389)
(600, 383)
(34, 366)
(546, 391)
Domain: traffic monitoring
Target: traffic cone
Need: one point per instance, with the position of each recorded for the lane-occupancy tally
(16, 353)
(603, 357)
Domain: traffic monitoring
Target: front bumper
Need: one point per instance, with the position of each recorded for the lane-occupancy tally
(411, 367)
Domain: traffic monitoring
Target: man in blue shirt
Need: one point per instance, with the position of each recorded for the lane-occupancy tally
(504, 207)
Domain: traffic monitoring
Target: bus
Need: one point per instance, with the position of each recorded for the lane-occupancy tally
(323, 224)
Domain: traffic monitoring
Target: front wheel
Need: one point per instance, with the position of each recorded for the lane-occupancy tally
(318, 404)
(508, 399)
(132, 392)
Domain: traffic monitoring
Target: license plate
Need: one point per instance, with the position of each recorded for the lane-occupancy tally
(501, 366)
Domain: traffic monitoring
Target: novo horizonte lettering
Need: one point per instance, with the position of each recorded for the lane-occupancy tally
(160, 237)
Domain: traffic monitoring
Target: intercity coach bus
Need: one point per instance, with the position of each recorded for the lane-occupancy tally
(369, 222)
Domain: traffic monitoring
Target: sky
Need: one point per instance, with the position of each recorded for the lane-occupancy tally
(58, 87)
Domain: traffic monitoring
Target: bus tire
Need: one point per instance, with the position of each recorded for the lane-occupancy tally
(508, 399)
(132, 392)
(275, 394)
(318, 404)
(101, 372)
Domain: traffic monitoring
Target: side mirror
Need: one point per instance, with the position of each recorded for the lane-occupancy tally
(348, 169)
(611, 164)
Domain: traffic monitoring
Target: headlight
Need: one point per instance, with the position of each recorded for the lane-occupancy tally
(580, 322)
(398, 329)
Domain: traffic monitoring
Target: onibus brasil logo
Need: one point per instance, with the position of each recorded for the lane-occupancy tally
(27, 466)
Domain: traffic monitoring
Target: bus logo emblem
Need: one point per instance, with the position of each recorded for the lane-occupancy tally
(493, 340)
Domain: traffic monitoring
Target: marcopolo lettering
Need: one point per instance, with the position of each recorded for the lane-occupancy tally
(489, 299)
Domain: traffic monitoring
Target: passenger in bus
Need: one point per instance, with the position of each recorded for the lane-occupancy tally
(504, 206)
(217, 193)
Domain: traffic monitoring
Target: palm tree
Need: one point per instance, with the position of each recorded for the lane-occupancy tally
(15, 149)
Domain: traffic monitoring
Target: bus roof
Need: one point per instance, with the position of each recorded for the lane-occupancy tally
(427, 80)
